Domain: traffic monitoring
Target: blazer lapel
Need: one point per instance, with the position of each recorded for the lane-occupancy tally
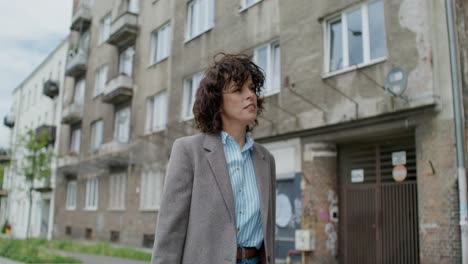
(262, 175)
(217, 160)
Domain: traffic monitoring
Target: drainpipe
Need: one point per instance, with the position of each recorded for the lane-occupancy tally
(459, 131)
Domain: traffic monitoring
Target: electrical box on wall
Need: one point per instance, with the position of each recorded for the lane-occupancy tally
(305, 240)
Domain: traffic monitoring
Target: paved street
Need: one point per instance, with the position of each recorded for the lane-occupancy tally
(87, 259)
(95, 259)
(8, 261)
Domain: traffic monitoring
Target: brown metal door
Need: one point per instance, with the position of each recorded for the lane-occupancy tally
(379, 222)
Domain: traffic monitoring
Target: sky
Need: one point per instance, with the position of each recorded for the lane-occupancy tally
(30, 30)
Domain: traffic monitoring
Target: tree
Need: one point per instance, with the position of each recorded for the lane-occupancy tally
(33, 161)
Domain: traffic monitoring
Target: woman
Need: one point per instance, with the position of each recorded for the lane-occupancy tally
(218, 204)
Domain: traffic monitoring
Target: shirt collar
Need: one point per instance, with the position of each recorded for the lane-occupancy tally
(225, 138)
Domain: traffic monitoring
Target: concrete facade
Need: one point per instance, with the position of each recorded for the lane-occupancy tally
(306, 123)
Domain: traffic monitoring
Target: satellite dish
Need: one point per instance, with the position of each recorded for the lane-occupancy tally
(395, 82)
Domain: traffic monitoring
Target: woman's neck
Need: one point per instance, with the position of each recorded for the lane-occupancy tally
(237, 133)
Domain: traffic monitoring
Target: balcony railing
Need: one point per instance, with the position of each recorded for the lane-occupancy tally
(76, 63)
(72, 113)
(81, 19)
(51, 89)
(42, 185)
(4, 156)
(9, 120)
(118, 90)
(124, 30)
(50, 131)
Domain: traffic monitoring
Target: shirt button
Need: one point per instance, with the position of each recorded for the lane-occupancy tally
(240, 190)
(237, 168)
(238, 230)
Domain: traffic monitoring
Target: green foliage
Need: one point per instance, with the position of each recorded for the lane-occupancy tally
(36, 155)
(34, 252)
(105, 249)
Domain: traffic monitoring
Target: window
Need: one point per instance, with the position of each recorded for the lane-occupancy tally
(71, 195)
(75, 140)
(91, 194)
(248, 3)
(190, 88)
(356, 37)
(96, 134)
(200, 17)
(268, 57)
(83, 43)
(117, 187)
(126, 59)
(133, 6)
(105, 28)
(78, 97)
(100, 79)
(122, 125)
(151, 188)
(156, 112)
(161, 43)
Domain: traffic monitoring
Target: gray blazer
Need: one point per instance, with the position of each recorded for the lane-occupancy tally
(196, 222)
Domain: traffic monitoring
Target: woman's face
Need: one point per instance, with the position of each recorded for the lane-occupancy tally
(239, 104)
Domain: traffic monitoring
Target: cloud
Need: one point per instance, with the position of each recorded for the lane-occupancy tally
(31, 30)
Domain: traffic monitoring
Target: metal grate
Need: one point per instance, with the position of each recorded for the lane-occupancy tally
(379, 220)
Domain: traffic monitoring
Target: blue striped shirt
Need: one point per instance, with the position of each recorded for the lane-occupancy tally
(244, 187)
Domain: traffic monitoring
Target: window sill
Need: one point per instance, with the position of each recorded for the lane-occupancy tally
(154, 64)
(187, 118)
(151, 132)
(187, 40)
(90, 209)
(270, 93)
(149, 210)
(116, 209)
(242, 9)
(70, 209)
(353, 68)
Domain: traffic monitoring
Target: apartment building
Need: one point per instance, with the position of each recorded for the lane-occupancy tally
(36, 106)
(359, 117)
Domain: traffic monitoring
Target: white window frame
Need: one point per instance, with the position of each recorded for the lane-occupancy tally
(97, 131)
(161, 43)
(245, 5)
(117, 190)
(190, 89)
(124, 128)
(92, 193)
(105, 28)
(272, 83)
(134, 6)
(201, 26)
(156, 112)
(127, 61)
(151, 187)
(100, 79)
(79, 92)
(75, 140)
(345, 48)
(71, 195)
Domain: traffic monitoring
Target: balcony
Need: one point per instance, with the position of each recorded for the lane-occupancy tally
(48, 130)
(76, 63)
(124, 30)
(4, 156)
(68, 163)
(50, 89)
(115, 153)
(81, 19)
(9, 120)
(42, 185)
(118, 90)
(72, 113)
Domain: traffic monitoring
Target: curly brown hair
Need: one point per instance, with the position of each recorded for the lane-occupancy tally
(209, 97)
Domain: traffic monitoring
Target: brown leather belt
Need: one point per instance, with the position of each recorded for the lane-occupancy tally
(249, 252)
